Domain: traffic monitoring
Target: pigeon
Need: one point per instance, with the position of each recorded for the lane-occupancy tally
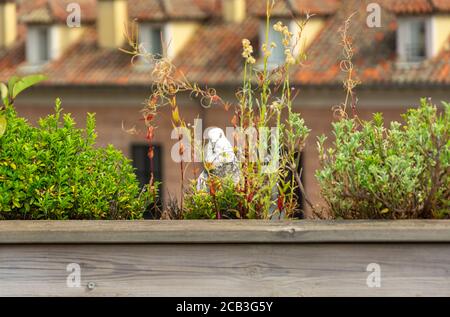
(219, 154)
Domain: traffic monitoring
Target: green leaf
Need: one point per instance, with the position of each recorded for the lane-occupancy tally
(4, 93)
(2, 125)
(25, 83)
(12, 81)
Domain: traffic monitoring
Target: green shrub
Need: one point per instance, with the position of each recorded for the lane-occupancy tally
(53, 171)
(398, 172)
(224, 201)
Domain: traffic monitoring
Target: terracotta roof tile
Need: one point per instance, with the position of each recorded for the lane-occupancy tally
(315, 6)
(147, 10)
(39, 15)
(287, 8)
(442, 5)
(374, 58)
(213, 55)
(157, 10)
(184, 9)
(55, 11)
(416, 6)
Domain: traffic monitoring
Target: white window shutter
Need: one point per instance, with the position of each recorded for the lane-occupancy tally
(145, 37)
(402, 39)
(53, 42)
(430, 41)
(32, 43)
(40, 45)
(277, 57)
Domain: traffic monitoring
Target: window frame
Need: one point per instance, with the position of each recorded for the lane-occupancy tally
(272, 64)
(146, 169)
(404, 38)
(148, 30)
(35, 44)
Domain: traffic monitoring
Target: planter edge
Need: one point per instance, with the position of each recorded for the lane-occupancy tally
(228, 231)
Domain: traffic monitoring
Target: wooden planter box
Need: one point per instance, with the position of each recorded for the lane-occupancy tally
(225, 258)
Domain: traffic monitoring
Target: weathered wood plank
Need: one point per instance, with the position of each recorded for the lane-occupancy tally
(226, 270)
(12, 232)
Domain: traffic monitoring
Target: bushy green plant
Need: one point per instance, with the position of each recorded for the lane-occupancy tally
(398, 172)
(223, 200)
(53, 171)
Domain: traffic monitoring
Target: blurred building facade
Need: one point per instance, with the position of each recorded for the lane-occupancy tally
(399, 58)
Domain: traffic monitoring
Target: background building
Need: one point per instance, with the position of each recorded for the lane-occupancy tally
(405, 58)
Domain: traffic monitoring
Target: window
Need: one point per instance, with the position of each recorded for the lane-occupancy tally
(42, 49)
(150, 38)
(299, 212)
(412, 39)
(38, 44)
(300, 199)
(143, 166)
(277, 57)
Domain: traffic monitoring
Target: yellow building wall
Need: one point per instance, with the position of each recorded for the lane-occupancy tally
(112, 19)
(234, 10)
(442, 32)
(8, 24)
(310, 32)
(177, 34)
(69, 36)
(62, 38)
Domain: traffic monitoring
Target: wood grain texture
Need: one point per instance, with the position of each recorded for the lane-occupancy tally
(225, 258)
(234, 231)
(226, 270)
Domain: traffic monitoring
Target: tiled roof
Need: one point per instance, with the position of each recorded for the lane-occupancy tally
(375, 54)
(87, 64)
(194, 9)
(10, 59)
(213, 55)
(375, 58)
(315, 6)
(287, 8)
(147, 10)
(159, 10)
(40, 11)
(144, 10)
(416, 6)
(55, 11)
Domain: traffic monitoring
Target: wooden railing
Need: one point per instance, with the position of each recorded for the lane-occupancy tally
(225, 258)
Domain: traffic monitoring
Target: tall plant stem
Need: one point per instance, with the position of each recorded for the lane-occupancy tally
(265, 88)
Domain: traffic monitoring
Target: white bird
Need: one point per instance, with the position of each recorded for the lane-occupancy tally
(219, 149)
(219, 153)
